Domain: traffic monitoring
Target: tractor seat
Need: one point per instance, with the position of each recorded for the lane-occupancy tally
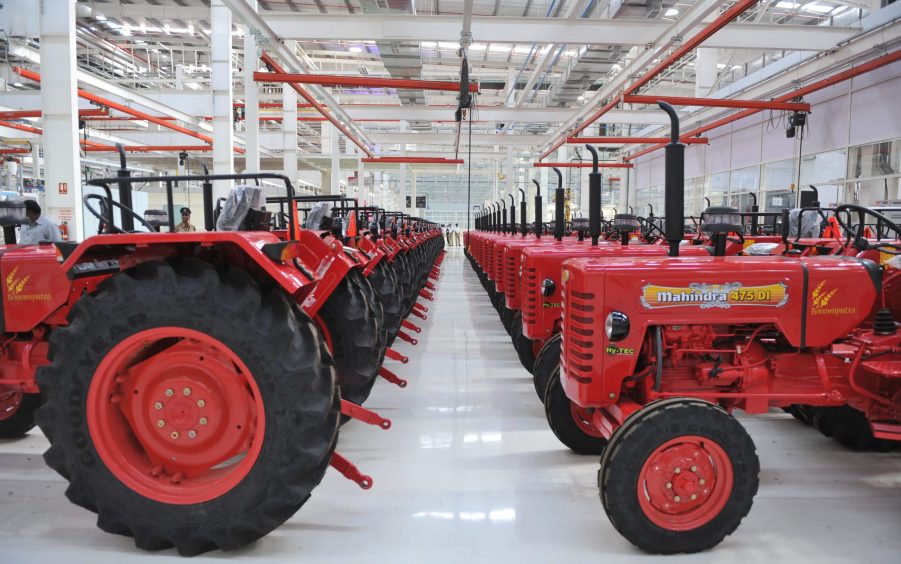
(241, 211)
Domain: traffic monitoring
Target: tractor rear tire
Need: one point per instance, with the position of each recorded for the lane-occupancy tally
(547, 363)
(19, 419)
(800, 412)
(522, 344)
(354, 338)
(384, 282)
(663, 455)
(114, 355)
(849, 428)
(568, 423)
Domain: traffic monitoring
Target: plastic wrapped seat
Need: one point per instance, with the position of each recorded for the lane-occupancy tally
(241, 200)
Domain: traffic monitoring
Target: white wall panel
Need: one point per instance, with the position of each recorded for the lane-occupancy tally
(694, 160)
(658, 169)
(828, 126)
(745, 147)
(718, 153)
(875, 115)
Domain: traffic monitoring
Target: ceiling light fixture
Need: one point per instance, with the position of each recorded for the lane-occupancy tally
(671, 12)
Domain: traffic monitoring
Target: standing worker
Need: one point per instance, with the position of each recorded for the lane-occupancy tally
(185, 225)
(39, 229)
(457, 234)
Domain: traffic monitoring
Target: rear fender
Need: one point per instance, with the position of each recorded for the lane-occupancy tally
(104, 255)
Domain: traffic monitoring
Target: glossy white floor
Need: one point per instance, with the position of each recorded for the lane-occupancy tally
(470, 473)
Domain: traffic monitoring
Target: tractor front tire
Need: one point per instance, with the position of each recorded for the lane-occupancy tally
(678, 476)
(522, 344)
(546, 365)
(188, 408)
(568, 422)
(17, 414)
(354, 338)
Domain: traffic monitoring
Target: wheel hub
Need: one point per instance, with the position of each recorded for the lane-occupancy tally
(685, 483)
(172, 406)
(9, 403)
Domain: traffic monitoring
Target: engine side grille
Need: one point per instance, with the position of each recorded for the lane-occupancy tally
(531, 301)
(579, 334)
(510, 275)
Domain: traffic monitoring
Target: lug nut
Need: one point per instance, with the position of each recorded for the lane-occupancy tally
(677, 470)
(170, 392)
(701, 481)
(694, 497)
(160, 423)
(694, 468)
(186, 391)
(203, 421)
(158, 405)
(174, 434)
(677, 499)
(669, 485)
(192, 434)
(201, 403)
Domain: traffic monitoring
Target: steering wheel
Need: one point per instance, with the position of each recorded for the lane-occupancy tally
(648, 228)
(860, 242)
(108, 222)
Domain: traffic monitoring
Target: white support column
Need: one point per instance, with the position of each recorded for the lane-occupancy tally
(336, 160)
(705, 71)
(223, 133)
(251, 101)
(36, 162)
(62, 175)
(402, 188)
(289, 132)
(362, 193)
(509, 170)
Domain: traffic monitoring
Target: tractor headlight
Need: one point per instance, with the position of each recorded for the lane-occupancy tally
(616, 326)
(626, 222)
(721, 219)
(548, 287)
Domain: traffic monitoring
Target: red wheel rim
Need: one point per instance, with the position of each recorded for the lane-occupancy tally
(582, 419)
(685, 483)
(175, 415)
(10, 401)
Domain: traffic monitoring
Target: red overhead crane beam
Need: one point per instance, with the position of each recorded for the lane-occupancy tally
(31, 75)
(22, 127)
(148, 148)
(266, 58)
(717, 103)
(635, 140)
(582, 165)
(361, 81)
(15, 151)
(412, 160)
(23, 114)
(719, 23)
(813, 87)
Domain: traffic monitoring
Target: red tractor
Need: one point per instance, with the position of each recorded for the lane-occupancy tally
(186, 382)
(659, 352)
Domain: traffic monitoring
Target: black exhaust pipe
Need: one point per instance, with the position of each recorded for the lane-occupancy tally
(674, 209)
(128, 222)
(594, 198)
(558, 210)
(538, 211)
(754, 210)
(512, 214)
(522, 214)
(503, 215)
